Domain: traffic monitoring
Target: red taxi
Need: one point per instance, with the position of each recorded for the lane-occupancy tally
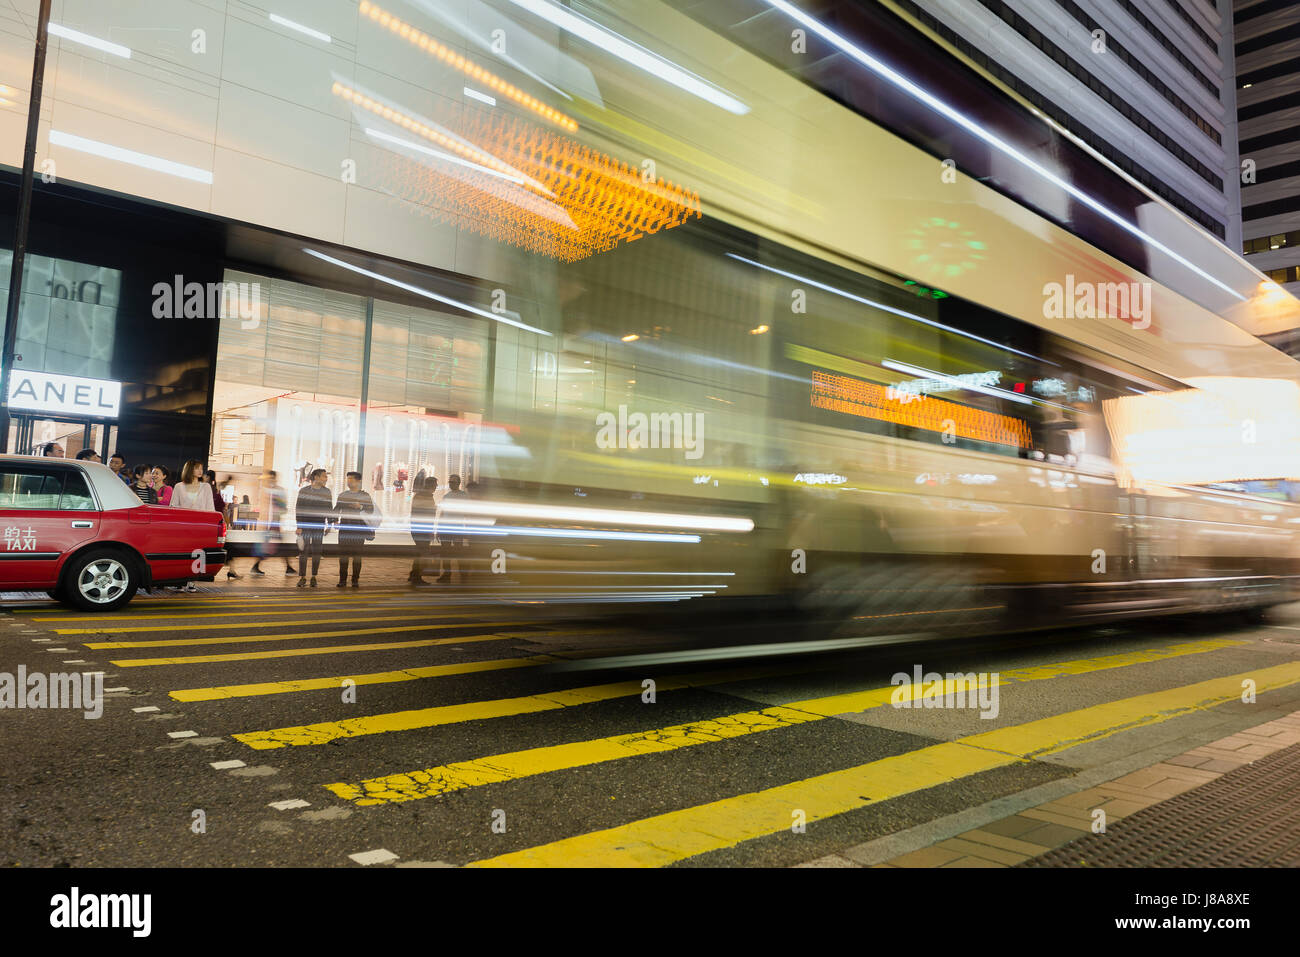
(77, 531)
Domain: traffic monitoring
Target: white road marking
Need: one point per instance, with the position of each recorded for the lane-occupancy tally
(182, 734)
(118, 689)
(380, 856)
(226, 765)
(46, 640)
(64, 650)
(79, 661)
(152, 707)
(290, 804)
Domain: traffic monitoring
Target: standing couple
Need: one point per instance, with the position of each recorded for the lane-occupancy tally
(315, 510)
(425, 512)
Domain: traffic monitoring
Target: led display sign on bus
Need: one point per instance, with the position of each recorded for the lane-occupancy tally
(31, 391)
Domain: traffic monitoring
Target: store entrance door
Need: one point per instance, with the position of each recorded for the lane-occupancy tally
(29, 432)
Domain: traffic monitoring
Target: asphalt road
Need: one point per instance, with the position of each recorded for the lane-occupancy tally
(457, 742)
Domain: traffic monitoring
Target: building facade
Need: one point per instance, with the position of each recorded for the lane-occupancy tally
(1145, 83)
(1267, 47)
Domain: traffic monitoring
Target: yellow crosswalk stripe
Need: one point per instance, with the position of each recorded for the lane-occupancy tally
(327, 731)
(132, 629)
(297, 636)
(431, 782)
(218, 601)
(349, 608)
(225, 692)
(297, 652)
(677, 835)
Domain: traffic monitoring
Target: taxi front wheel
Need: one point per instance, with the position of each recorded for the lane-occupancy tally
(101, 580)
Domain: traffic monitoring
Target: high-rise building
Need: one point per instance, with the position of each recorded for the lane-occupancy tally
(1267, 47)
(1145, 83)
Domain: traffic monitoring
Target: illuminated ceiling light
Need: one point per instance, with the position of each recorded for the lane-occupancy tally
(443, 156)
(892, 309)
(605, 201)
(76, 36)
(453, 59)
(478, 157)
(379, 277)
(1247, 86)
(601, 516)
(481, 97)
(631, 337)
(759, 331)
(284, 22)
(632, 53)
(4, 102)
(1268, 285)
(107, 151)
(962, 120)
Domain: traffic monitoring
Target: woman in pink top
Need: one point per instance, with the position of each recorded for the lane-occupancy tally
(191, 491)
(160, 486)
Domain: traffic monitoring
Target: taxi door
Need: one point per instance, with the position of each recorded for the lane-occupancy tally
(45, 513)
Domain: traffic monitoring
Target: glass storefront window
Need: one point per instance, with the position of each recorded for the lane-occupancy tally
(290, 391)
(426, 399)
(288, 386)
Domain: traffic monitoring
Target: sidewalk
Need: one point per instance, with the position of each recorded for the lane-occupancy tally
(1229, 803)
(378, 572)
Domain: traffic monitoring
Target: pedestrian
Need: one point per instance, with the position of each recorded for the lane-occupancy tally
(87, 455)
(273, 502)
(142, 484)
(52, 450)
(190, 492)
(424, 513)
(220, 506)
(225, 491)
(161, 476)
(420, 478)
(455, 545)
(355, 514)
(312, 511)
(118, 465)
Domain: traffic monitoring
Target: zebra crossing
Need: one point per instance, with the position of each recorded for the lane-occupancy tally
(358, 711)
